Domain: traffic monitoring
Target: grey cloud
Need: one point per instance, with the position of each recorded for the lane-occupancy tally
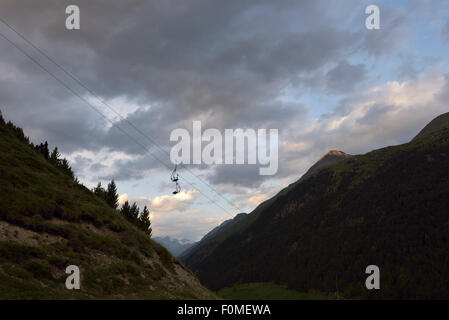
(136, 169)
(186, 57)
(443, 95)
(242, 175)
(445, 32)
(391, 35)
(97, 166)
(345, 77)
(413, 65)
(229, 59)
(237, 63)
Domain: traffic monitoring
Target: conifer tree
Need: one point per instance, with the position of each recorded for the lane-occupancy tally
(125, 210)
(134, 213)
(99, 191)
(45, 150)
(144, 221)
(111, 196)
(54, 157)
(64, 164)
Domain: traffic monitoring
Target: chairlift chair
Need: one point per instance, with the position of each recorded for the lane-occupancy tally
(174, 178)
(174, 175)
(177, 188)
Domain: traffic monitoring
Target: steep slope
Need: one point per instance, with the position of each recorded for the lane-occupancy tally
(48, 221)
(197, 253)
(224, 226)
(175, 246)
(388, 207)
(208, 240)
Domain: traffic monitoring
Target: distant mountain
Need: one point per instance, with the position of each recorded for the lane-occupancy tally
(198, 252)
(388, 207)
(175, 246)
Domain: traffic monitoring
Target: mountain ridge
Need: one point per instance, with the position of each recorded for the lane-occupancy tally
(330, 158)
(222, 227)
(196, 253)
(439, 123)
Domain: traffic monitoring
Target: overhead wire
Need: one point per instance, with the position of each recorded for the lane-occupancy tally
(114, 124)
(79, 82)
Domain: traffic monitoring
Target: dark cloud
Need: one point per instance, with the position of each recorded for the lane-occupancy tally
(136, 169)
(97, 166)
(227, 62)
(229, 59)
(241, 175)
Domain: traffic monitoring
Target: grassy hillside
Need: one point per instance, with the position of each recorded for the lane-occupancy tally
(388, 207)
(48, 221)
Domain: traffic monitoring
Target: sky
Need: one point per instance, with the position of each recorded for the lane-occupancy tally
(310, 69)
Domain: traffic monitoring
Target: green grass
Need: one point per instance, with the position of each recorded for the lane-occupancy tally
(268, 291)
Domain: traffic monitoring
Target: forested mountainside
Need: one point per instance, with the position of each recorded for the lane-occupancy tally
(207, 245)
(388, 208)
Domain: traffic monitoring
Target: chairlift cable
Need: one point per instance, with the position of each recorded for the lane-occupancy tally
(100, 113)
(112, 109)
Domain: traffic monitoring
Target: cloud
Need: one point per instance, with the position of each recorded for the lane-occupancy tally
(243, 175)
(391, 113)
(445, 32)
(101, 164)
(172, 214)
(168, 203)
(123, 198)
(163, 203)
(345, 77)
(156, 56)
(190, 224)
(387, 114)
(393, 33)
(255, 200)
(308, 68)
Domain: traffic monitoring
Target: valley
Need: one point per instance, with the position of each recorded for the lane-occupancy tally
(313, 240)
